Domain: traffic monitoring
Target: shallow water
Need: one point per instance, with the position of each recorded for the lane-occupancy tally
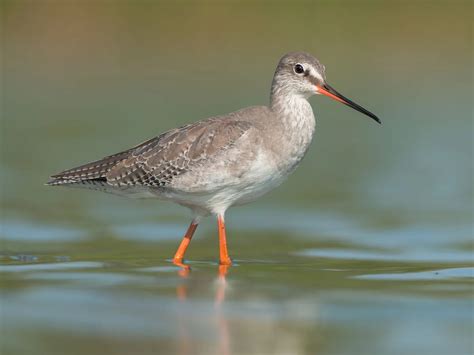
(336, 287)
(367, 249)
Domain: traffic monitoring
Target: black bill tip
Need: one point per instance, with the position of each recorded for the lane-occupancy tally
(327, 90)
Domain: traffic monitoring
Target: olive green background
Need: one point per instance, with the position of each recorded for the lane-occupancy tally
(367, 249)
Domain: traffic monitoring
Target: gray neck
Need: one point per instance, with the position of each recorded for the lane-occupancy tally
(292, 109)
(295, 122)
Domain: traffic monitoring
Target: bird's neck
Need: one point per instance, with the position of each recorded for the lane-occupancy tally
(295, 121)
(294, 112)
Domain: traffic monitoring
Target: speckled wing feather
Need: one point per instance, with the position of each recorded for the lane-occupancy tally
(175, 152)
(95, 170)
(157, 161)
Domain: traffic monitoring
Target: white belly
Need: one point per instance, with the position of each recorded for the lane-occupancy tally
(246, 172)
(261, 176)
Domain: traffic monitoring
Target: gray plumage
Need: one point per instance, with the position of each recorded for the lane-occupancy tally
(156, 162)
(221, 161)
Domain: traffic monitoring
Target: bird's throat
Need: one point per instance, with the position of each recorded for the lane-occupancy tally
(295, 113)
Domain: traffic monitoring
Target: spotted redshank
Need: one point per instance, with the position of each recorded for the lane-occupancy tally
(223, 161)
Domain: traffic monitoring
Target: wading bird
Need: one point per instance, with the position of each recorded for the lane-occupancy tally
(223, 161)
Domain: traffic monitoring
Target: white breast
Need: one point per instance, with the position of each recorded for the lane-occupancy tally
(299, 124)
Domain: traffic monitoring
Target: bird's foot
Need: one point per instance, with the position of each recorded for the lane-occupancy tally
(225, 261)
(184, 268)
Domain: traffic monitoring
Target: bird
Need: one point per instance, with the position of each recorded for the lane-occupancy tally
(213, 164)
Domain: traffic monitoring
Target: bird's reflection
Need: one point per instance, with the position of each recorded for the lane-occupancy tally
(221, 285)
(221, 322)
(183, 272)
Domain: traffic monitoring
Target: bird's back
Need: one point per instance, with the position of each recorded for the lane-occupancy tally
(160, 160)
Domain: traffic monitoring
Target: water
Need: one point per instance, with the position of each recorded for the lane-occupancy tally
(367, 249)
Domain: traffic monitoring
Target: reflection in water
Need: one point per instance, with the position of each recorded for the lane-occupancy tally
(184, 269)
(220, 320)
(199, 312)
(221, 285)
(184, 339)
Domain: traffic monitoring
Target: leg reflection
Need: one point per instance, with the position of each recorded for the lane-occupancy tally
(221, 285)
(221, 320)
(184, 346)
(185, 321)
(183, 272)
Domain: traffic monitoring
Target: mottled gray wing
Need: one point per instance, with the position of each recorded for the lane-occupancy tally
(175, 152)
(96, 169)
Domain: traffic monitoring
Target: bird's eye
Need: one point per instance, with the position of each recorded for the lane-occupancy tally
(299, 69)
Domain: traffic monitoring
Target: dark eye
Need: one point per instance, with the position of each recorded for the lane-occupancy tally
(299, 69)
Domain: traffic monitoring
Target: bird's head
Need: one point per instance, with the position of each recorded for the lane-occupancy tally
(301, 74)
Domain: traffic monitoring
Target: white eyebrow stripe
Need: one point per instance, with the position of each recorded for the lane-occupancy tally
(315, 73)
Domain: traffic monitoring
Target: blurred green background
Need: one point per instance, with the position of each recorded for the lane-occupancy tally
(366, 249)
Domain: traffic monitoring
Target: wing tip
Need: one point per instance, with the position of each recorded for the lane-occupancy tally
(55, 181)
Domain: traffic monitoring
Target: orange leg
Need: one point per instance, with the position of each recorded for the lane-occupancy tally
(223, 255)
(178, 257)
